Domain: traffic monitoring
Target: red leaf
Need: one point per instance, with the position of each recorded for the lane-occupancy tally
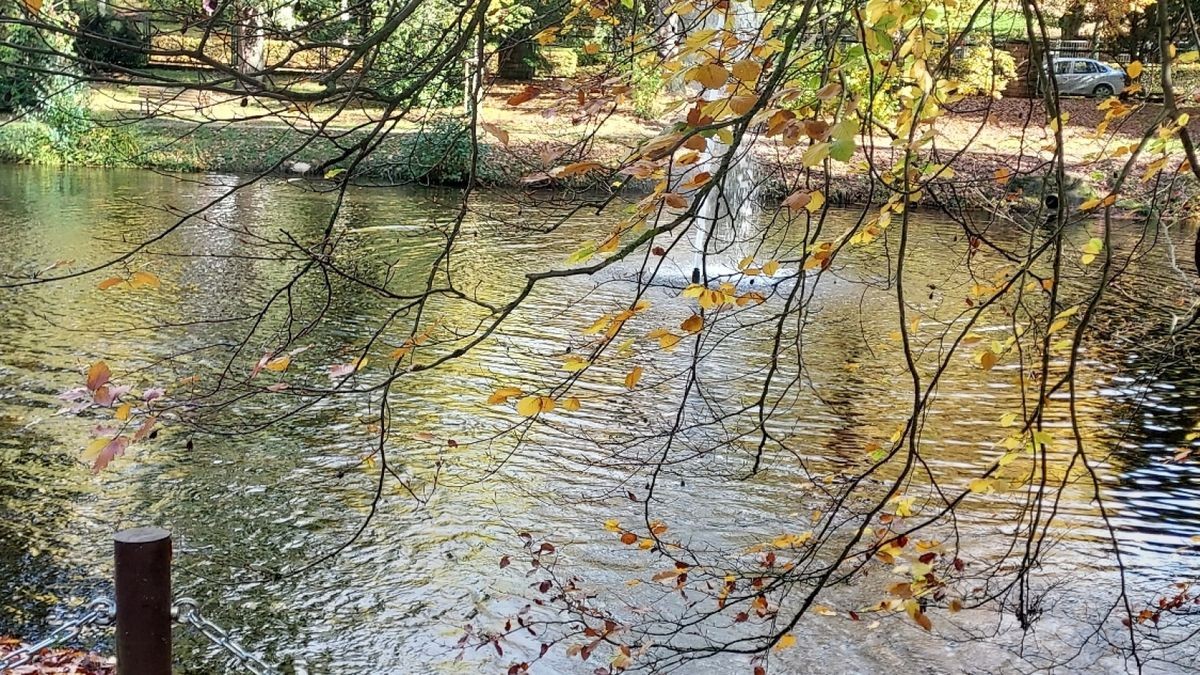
(115, 448)
(505, 562)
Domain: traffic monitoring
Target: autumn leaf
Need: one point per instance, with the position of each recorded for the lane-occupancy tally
(987, 359)
(746, 70)
(829, 91)
(785, 642)
(698, 180)
(279, 364)
(123, 412)
(1134, 70)
(770, 267)
(571, 404)
(629, 538)
(500, 134)
(797, 200)
(113, 449)
(144, 280)
(692, 324)
(632, 378)
(527, 94)
(109, 283)
(34, 6)
(502, 395)
(710, 75)
(98, 375)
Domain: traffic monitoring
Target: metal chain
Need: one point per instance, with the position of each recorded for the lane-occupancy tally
(187, 612)
(99, 611)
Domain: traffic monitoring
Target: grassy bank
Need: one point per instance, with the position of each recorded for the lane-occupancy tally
(239, 136)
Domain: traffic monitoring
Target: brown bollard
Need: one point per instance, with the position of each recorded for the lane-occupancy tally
(143, 589)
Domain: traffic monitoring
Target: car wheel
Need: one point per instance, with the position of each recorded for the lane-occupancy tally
(1103, 91)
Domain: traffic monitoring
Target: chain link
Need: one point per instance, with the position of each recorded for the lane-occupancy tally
(187, 612)
(99, 611)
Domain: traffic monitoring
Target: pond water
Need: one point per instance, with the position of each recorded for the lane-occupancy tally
(245, 503)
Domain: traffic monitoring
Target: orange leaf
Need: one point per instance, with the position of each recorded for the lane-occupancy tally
(109, 283)
(632, 378)
(527, 94)
(98, 375)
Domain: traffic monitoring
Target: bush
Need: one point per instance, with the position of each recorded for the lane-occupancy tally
(438, 154)
(559, 62)
(113, 41)
(648, 84)
(983, 69)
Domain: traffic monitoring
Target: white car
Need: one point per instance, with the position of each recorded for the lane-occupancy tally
(1088, 77)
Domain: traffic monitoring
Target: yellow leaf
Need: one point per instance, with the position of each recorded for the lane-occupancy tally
(571, 404)
(710, 75)
(747, 70)
(529, 406)
(1007, 419)
(692, 324)
(770, 267)
(1002, 175)
(574, 364)
(109, 283)
(669, 341)
(123, 411)
(34, 6)
(693, 291)
(815, 154)
(1134, 70)
(816, 201)
(591, 48)
(280, 364)
(1058, 325)
(1089, 204)
(93, 449)
(788, 640)
(140, 279)
(981, 486)
(1189, 57)
(612, 525)
(711, 299)
(632, 378)
(503, 394)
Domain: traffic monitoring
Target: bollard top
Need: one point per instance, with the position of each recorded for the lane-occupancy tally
(141, 535)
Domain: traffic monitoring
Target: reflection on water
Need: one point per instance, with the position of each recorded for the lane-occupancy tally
(247, 504)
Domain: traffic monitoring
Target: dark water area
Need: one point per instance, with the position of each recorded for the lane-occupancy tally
(245, 504)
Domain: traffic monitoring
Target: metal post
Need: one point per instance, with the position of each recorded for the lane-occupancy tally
(143, 590)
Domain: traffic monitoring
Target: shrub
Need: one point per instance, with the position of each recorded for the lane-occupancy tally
(113, 41)
(559, 62)
(438, 154)
(983, 69)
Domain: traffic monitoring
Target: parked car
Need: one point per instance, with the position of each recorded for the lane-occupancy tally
(1088, 77)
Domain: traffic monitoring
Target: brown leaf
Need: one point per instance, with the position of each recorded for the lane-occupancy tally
(500, 134)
